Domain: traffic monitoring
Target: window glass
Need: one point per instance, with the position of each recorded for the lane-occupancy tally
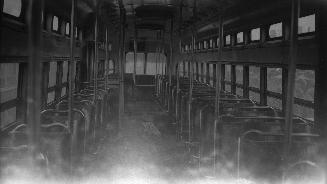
(67, 28)
(240, 38)
(305, 84)
(227, 40)
(205, 43)
(254, 76)
(8, 116)
(186, 68)
(239, 91)
(227, 72)
(274, 79)
(307, 24)
(199, 46)
(239, 74)
(8, 81)
(149, 66)
(276, 30)
(140, 57)
(211, 73)
(228, 88)
(255, 34)
(52, 74)
(254, 96)
(65, 71)
(12, 7)
(181, 70)
(63, 91)
(274, 102)
(51, 97)
(76, 32)
(55, 23)
(304, 112)
(211, 43)
(217, 42)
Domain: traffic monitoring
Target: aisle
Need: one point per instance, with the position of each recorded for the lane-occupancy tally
(145, 150)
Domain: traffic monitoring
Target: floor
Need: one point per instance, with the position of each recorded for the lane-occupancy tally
(146, 149)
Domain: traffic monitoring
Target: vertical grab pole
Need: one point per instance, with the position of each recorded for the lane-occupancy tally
(170, 66)
(291, 77)
(218, 89)
(191, 91)
(106, 73)
(135, 52)
(122, 64)
(95, 70)
(34, 18)
(156, 74)
(95, 64)
(71, 78)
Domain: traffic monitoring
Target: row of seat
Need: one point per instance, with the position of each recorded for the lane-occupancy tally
(241, 135)
(65, 146)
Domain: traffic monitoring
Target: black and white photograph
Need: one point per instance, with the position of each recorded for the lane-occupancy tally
(163, 92)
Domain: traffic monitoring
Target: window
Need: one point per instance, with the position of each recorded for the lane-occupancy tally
(228, 73)
(305, 84)
(228, 78)
(76, 32)
(205, 44)
(186, 68)
(276, 30)
(211, 43)
(51, 97)
(52, 74)
(307, 24)
(228, 88)
(239, 74)
(240, 38)
(55, 23)
(8, 116)
(274, 79)
(150, 67)
(65, 71)
(8, 91)
(186, 47)
(8, 81)
(305, 112)
(255, 34)
(274, 102)
(67, 28)
(254, 76)
(63, 91)
(254, 96)
(12, 7)
(227, 40)
(239, 91)
(217, 42)
(199, 46)
(211, 74)
(181, 69)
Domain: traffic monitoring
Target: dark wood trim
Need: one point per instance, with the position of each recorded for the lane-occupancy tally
(8, 105)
